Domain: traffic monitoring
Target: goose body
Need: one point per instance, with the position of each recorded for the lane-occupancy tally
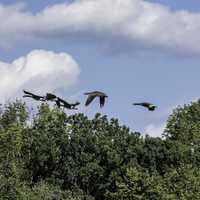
(50, 97)
(93, 95)
(60, 102)
(33, 96)
(149, 106)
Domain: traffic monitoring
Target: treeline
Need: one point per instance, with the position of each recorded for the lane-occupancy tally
(53, 156)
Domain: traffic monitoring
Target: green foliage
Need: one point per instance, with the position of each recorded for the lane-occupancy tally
(182, 183)
(47, 191)
(138, 184)
(74, 150)
(55, 156)
(183, 125)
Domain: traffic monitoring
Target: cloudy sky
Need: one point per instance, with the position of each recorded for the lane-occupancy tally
(134, 50)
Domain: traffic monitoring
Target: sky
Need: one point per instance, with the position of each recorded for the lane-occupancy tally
(133, 50)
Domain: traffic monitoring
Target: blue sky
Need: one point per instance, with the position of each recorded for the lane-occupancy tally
(163, 71)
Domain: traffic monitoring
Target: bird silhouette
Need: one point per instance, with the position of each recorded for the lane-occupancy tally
(93, 95)
(33, 96)
(50, 97)
(149, 106)
(72, 106)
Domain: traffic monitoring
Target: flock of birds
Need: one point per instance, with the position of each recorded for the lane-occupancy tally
(73, 106)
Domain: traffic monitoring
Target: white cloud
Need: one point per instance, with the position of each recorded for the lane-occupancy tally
(38, 71)
(155, 130)
(139, 22)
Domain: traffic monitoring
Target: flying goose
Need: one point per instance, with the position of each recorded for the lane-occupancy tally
(33, 96)
(93, 95)
(60, 102)
(50, 97)
(149, 106)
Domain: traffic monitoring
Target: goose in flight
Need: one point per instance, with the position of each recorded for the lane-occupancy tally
(33, 96)
(72, 106)
(149, 106)
(92, 95)
(50, 97)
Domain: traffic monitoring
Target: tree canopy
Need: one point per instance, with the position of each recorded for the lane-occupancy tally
(52, 155)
